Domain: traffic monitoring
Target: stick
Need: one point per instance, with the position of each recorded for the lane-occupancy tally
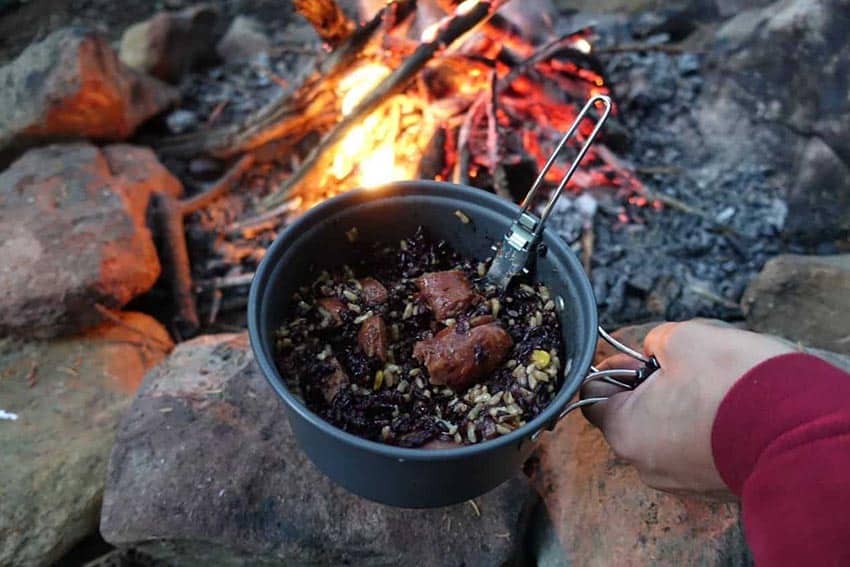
(500, 178)
(264, 218)
(627, 47)
(326, 17)
(219, 188)
(461, 173)
(448, 31)
(175, 256)
(226, 282)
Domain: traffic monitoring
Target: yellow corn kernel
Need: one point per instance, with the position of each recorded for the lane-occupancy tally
(540, 358)
(379, 379)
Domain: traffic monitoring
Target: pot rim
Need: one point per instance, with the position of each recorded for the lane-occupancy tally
(549, 416)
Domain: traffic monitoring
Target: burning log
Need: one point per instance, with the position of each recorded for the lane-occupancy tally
(326, 17)
(466, 17)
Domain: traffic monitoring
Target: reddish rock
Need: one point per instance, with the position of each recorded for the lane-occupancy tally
(448, 293)
(72, 85)
(170, 43)
(72, 234)
(458, 359)
(372, 337)
(602, 514)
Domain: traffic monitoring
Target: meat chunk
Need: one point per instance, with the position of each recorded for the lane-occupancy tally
(459, 359)
(448, 293)
(374, 291)
(334, 307)
(335, 381)
(372, 337)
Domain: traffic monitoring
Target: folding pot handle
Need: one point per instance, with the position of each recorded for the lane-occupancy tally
(636, 376)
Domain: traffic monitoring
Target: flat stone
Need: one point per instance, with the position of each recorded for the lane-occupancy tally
(243, 40)
(803, 298)
(72, 85)
(169, 44)
(206, 469)
(73, 234)
(67, 396)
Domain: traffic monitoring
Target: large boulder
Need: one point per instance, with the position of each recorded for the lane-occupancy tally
(206, 469)
(170, 43)
(72, 85)
(804, 299)
(789, 60)
(61, 402)
(73, 234)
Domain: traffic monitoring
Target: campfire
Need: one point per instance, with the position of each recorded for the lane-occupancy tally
(466, 95)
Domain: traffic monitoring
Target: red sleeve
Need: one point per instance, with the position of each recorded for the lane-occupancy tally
(781, 441)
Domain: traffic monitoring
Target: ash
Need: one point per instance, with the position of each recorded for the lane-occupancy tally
(692, 258)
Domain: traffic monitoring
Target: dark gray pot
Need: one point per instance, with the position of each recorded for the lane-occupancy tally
(415, 478)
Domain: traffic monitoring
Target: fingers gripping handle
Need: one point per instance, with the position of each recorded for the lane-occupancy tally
(635, 377)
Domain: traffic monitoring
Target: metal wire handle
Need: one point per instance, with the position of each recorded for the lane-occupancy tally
(512, 256)
(529, 197)
(637, 376)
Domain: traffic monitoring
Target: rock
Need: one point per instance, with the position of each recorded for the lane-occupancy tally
(72, 234)
(68, 396)
(803, 298)
(244, 40)
(72, 85)
(601, 512)
(254, 497)
(790, 58)
(819, 198)
(170, 43)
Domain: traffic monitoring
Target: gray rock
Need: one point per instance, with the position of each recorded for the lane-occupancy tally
(804, 299)
(206, 469)
(244, 40)
(169, 44)
(72, 85)
(68, 396)
(72, 234)
(819, 199)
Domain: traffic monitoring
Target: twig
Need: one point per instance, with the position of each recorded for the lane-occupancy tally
(475, 507)
(710, 295)
(449, 30)
(226, 282)
(107, 313)
(216, 112)
(461, 173)
(627, 47)
(659, 169)
(32, 375)
(588, 242)
(175, 255)
(500, 178)
(215, 306)
(264, 218)
(219, 188)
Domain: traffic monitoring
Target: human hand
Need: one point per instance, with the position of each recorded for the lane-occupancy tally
(663, 427)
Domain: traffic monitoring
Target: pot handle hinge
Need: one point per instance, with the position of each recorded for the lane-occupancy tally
(627, 379)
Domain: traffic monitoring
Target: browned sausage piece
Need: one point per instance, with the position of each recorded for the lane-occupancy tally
(335, 381)
(333, 307)
(372, 337)
(458, 360)
(374, 291)
(448, 293)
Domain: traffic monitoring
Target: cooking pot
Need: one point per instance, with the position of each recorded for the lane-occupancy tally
(317, 240)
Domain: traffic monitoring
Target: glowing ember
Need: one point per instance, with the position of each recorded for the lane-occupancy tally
(582, 45)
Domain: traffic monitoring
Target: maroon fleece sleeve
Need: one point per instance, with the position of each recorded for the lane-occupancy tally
(781, 441)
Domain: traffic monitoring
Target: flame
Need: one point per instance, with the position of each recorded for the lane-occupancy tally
(386, 144)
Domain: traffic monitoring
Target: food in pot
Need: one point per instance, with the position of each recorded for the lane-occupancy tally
(410, 347)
